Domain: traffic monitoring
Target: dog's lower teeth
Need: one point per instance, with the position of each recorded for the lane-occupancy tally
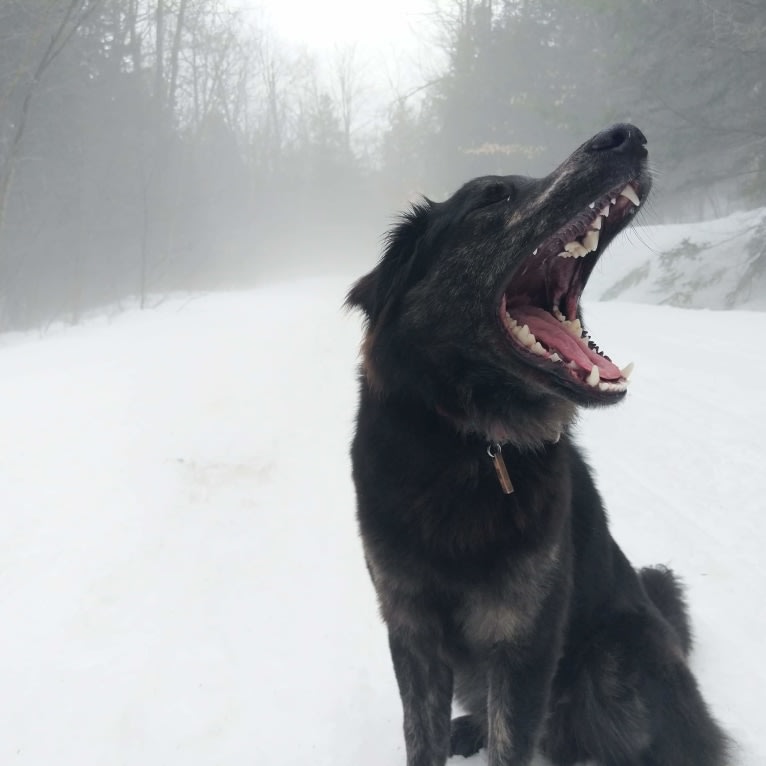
(555, 357)
(522, 333)
(594, 377)
(538, 349)
(611, 387)
(574, 327)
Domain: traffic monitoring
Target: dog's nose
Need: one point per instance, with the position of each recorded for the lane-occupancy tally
(622, 137)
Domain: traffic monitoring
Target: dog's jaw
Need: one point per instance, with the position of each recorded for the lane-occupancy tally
(539, 308)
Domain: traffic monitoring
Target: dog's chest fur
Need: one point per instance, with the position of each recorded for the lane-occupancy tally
(450, 554)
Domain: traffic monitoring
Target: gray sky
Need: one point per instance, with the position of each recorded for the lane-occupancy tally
(393, 41)
(323, 25)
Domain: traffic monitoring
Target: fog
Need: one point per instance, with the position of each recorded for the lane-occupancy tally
(154, 146)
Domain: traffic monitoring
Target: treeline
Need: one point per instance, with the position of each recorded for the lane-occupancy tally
(154, 145)
(528, 79)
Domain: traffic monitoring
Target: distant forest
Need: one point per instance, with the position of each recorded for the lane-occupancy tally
(148, 146)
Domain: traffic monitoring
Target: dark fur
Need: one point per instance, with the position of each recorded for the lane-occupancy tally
(520, 606)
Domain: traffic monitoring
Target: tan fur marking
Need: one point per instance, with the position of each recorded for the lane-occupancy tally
(368, 368)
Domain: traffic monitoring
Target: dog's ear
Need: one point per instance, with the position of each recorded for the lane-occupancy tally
(400, 266)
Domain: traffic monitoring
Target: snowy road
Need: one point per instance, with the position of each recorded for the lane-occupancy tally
(180, 578)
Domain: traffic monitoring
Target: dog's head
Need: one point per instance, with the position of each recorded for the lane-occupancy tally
(474, 307)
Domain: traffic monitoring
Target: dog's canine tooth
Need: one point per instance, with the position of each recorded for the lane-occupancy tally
(627, 370)
(593, 377)
(630, 193)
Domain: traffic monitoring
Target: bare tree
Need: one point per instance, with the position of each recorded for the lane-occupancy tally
(74, 14)
(348, 87)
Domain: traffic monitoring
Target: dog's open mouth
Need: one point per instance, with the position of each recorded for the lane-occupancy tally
(539, 307)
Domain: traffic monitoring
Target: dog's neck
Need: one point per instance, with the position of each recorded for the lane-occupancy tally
(524, 433)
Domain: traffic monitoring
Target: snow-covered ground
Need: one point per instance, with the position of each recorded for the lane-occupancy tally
(717, 264)
(180, 577)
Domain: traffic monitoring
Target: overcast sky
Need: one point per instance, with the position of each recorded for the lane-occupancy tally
(393, 40)
(322, 25)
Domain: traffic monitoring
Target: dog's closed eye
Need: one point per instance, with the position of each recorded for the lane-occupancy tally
(494, 194)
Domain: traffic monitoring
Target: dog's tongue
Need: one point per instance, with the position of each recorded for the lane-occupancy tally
(552, 333)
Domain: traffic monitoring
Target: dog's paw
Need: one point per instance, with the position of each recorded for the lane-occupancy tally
(466, 736)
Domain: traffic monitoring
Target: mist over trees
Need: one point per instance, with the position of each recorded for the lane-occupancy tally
(529, 79)
(155, 145)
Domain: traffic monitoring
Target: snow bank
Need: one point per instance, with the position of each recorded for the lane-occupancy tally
(717, 264)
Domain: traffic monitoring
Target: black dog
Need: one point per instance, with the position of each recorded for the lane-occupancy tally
(483, 531)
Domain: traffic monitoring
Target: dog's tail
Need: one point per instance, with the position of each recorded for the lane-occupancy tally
(690, 736)
(667, 594)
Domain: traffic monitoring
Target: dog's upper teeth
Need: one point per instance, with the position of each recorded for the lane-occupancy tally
(596, 224)
(592, 205)
(630, 193)
(594, 377)
(605, 210)
(534, 252)
(590, 241)
(576, 249)
(556, 311)
(613, 200)
(627, 370)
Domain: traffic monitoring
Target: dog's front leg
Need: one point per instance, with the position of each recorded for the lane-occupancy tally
(518, 690)
(425, 686)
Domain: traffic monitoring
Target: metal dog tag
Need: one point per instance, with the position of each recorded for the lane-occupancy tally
(495, 451)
